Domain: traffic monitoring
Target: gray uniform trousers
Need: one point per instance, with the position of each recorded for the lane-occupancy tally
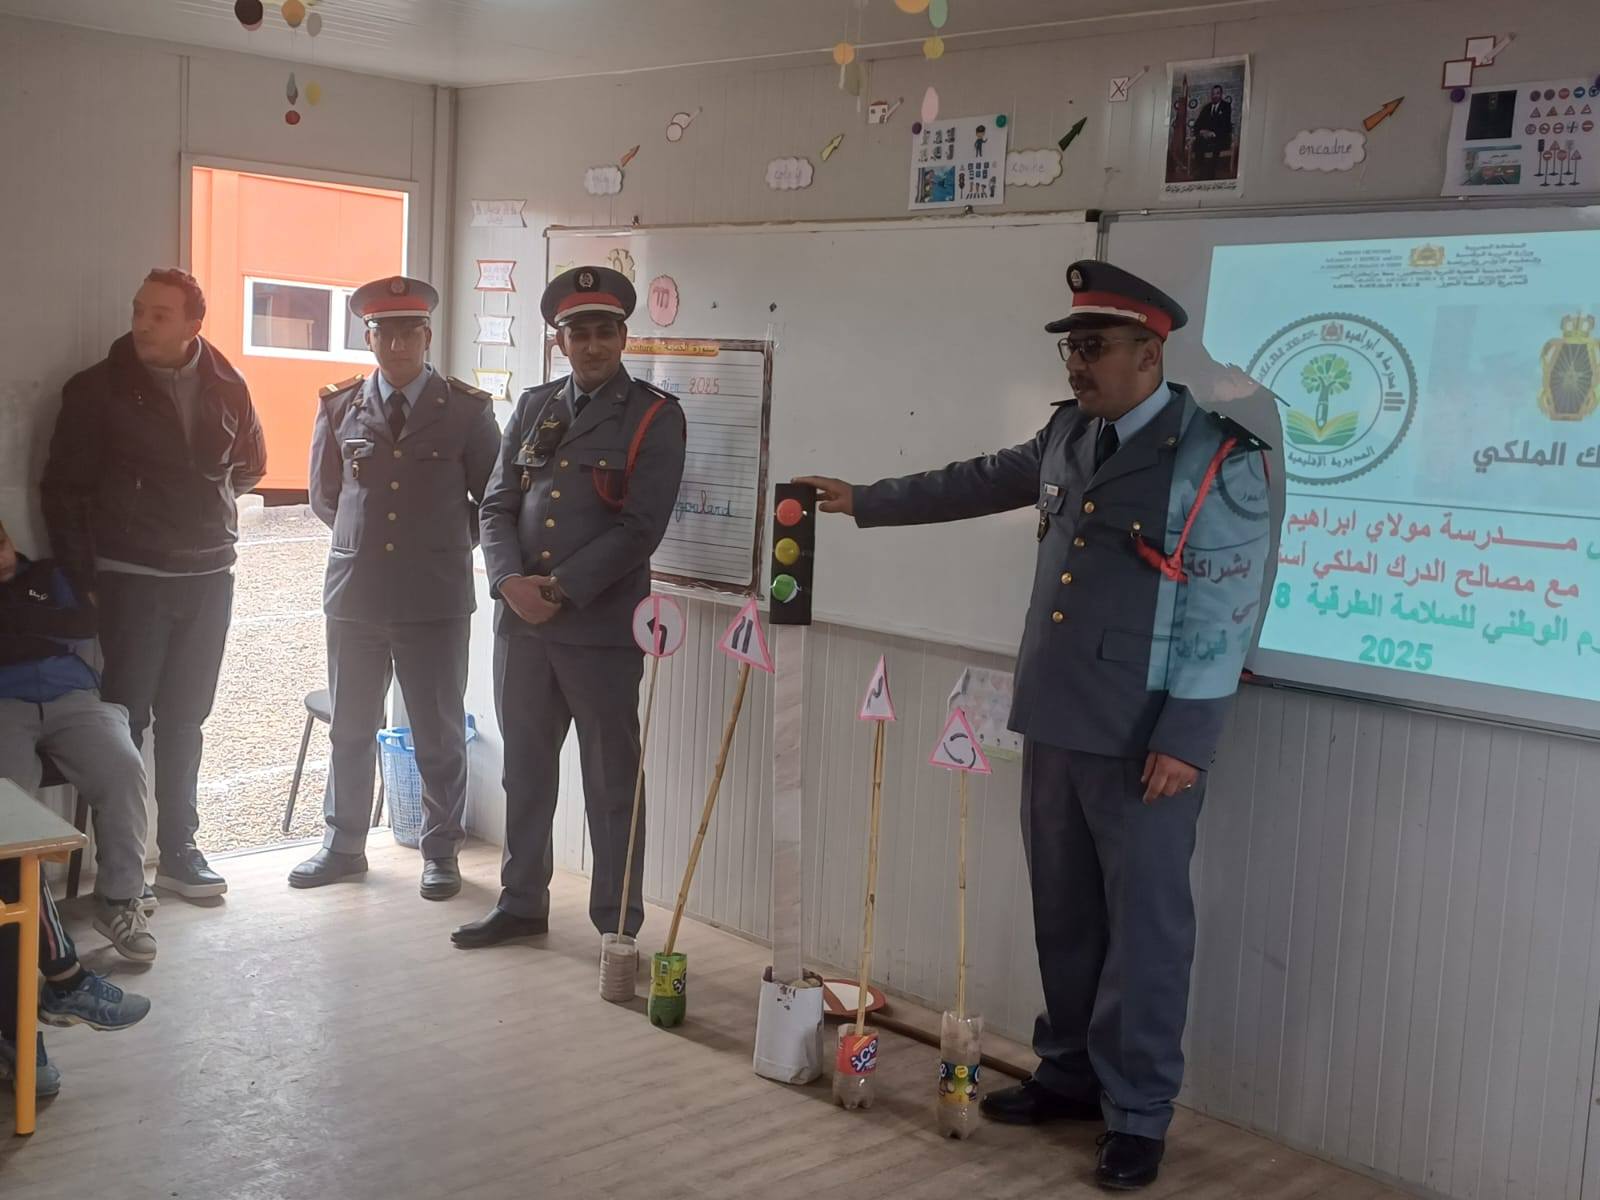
(540, 688)
(1114, 925)
(90, 742)
(430, 660)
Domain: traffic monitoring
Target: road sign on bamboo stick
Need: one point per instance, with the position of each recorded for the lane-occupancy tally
(658, 628)
(745, 642)
(960, 1032)
(857, 1057)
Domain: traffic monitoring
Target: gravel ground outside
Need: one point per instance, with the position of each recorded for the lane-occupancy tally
(276, 654)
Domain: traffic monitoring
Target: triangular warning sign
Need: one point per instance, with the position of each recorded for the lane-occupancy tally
(1571, 112)
(878, 704)
(745, 641)
(958, 748)
(1577, 155)
(1535, 114)
(1588, 110)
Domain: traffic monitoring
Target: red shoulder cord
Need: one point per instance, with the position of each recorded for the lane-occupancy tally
(1171, 565)
(615, 503)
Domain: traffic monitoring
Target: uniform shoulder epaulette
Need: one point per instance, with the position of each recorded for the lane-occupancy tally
(1069, 402)
(333, 389)
(467, 389)
(662, 392)
(1232, 429)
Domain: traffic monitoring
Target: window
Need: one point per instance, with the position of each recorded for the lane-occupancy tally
(285, 319)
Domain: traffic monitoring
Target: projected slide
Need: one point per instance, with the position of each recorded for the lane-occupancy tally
(1441, 445)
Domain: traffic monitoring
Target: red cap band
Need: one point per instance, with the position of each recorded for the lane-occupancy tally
(588, 300)
(1152, 318)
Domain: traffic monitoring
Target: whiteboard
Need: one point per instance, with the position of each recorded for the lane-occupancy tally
(899, 346)
(1442, 546)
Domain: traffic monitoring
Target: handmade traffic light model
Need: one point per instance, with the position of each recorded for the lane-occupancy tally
(794, 539)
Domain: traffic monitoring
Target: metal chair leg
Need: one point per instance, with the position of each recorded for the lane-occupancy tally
(299, 766)
(80, 821)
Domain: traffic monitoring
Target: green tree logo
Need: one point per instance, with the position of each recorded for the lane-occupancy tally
(1324, 377)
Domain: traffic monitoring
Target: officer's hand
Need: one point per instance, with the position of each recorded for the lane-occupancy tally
(521, 593)
(1166, 776)
(837, 495)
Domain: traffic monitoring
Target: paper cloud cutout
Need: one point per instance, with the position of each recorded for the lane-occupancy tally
(1032, 168)
(787, 174)
(603, 181)
(1325, 150)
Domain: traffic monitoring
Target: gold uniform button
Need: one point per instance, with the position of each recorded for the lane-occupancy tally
(549, 522)
(1079, 543)
(565, 463)
(555, 495)
(602, 462)
(544, 554)
(1137, 526)
(1088, 506)
(392, 516)
(1058, 616)
(388, 546)
(394, 485)
(1066, 577)
(397, 454)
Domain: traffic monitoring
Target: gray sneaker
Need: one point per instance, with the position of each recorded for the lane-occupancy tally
(123, 923)
(46, 1080)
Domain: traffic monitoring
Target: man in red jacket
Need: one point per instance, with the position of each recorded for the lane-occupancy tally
(152, 447)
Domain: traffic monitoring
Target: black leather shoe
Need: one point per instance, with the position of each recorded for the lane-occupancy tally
(1127, 1161)
(499, 926)
(327, 866)
(1031, 1103)
(441, 878)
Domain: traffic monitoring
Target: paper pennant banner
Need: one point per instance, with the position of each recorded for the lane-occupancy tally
(658, 626)
(494, 329)
(958, 748)
(494, 275)
(496, 383)
(745, 641)
(878, 704)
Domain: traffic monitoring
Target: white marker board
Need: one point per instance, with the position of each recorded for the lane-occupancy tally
(901, 346)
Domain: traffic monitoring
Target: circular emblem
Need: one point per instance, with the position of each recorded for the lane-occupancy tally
(1564, 93)
(586, 279)
(1549, 93)
(397, 286)
(1075, 278)
(1531, 130)
(1351, 392)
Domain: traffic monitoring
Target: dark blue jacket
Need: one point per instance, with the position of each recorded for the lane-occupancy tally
(42, 629)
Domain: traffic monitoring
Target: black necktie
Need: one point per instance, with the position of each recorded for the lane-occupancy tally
(1106, 444)
(397, 413)
(578, 405)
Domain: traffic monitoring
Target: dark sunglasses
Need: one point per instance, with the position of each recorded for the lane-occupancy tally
(1091, 346)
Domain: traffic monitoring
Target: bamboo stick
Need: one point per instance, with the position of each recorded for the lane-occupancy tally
(871, 904)
(638, 795)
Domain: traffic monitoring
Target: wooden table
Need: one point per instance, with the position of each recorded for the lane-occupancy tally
(29, 832)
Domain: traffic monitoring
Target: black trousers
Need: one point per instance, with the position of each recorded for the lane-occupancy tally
(163, 640)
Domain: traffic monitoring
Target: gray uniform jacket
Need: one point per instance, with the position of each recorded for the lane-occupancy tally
(1118, 659)
(404, 514)
(576, 514)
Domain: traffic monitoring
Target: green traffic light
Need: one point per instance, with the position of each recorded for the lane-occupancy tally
(785, 588)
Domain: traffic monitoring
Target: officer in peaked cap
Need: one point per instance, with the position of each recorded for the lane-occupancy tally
(399, 462)
(1145, 594)
(585, 486)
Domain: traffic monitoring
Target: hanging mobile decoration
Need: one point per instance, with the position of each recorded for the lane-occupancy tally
(933, 47)
(294, 11)
(911, 6)
(314, 24)
(292, 89)
(291, 117)
(938, 13)
(313, 93)
(250, 13)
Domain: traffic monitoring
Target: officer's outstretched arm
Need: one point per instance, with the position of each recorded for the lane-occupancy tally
(1215, 615)
(646, 512)
(502, 504)
(327, 470)
(995, 483)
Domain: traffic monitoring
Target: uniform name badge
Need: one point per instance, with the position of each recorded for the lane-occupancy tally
(355, 449)
(536, 453)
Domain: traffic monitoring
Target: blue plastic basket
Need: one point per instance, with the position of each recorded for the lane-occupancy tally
(402, 783)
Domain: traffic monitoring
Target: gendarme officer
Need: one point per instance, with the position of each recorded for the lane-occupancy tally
(1153, 542)
(582, 494)
(399, 461)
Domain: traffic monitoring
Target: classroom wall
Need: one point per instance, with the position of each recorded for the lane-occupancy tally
(1396, 962)
(95, 127)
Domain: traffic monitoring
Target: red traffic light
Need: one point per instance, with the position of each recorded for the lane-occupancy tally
(790, 512)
